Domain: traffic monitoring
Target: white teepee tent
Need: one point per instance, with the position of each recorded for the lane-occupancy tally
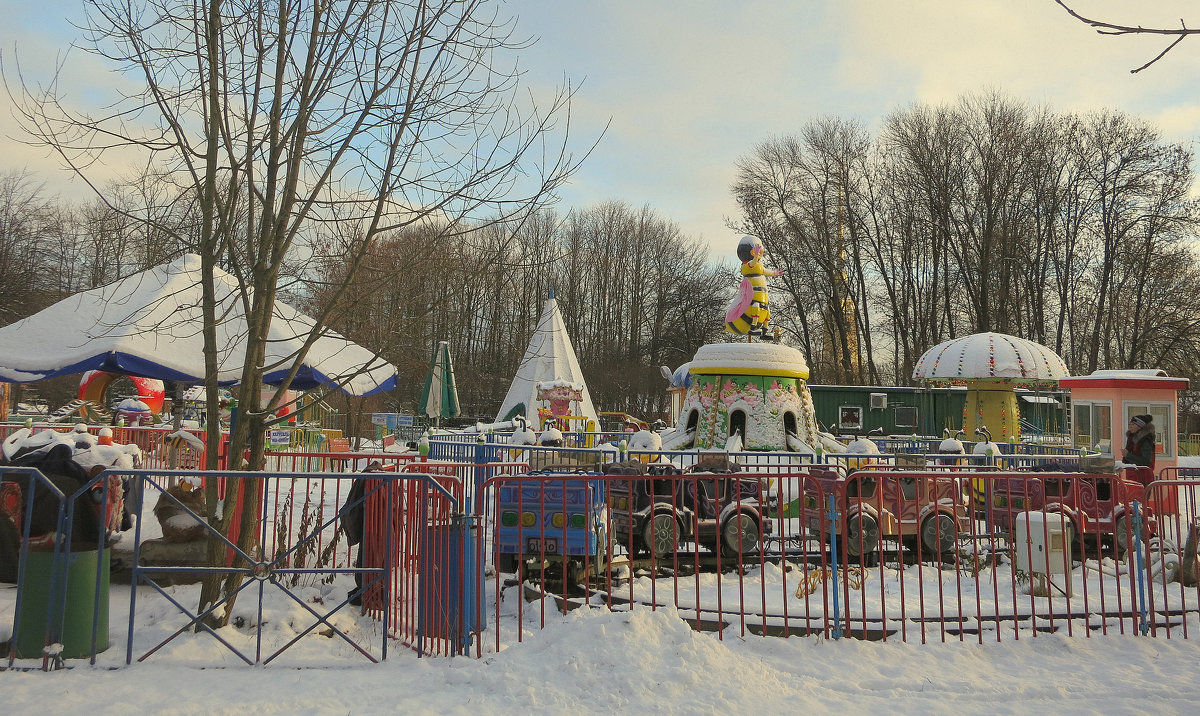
(549, 359)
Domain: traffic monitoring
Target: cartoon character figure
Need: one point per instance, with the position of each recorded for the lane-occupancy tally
(748, 315)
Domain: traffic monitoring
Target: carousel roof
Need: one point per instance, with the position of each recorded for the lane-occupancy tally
(772, 359)
(991, 356)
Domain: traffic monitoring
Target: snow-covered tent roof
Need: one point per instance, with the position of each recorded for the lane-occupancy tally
(984, 356)
(549, 359)
(149, 324)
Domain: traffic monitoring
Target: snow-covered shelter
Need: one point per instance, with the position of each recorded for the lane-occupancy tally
(149, 324)
(549, 361)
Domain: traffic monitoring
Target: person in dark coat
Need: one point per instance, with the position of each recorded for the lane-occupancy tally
(354, 526)
(1139, 442)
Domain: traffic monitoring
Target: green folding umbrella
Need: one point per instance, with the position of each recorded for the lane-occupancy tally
(439, 397)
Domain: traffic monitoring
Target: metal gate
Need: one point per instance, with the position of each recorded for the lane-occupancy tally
(410, 562)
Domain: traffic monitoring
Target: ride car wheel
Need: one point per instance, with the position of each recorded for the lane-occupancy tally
(506, 563)
(739, 534)
(660, 533)
(1070, 541)
(938, 534)
(862, 535)
(574, 572)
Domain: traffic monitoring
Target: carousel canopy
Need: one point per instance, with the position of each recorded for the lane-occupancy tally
(149, 324)
(991, 356)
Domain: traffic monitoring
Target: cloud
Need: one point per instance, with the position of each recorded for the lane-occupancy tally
(690, 87)
(1030, 50)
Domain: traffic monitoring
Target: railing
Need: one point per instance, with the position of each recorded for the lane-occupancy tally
(781, 546)
(1189, 443)
(410, 576)
(897, 554)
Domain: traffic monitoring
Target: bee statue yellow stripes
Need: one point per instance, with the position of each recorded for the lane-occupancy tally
(749, 314)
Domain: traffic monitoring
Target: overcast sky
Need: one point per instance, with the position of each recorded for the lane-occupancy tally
(691, 86)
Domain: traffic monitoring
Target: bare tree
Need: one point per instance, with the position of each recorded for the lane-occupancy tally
(27, 227)
(282, 118)
(984, 215)
(803, 196)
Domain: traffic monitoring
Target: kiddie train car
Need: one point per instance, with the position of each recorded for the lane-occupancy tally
(927, 510)
(1096, 504)
(659, 507)
(555, 519)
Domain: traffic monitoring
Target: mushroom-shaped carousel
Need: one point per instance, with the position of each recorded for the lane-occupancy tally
(991, 365)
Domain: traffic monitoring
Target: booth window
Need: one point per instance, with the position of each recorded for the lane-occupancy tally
(850, 417)
(906, 416)
(1091, 426)
(1164, 430)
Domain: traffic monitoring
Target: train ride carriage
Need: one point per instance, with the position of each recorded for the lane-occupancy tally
(926, 510)
(660, 507)
(560, 521)
(1096, 504)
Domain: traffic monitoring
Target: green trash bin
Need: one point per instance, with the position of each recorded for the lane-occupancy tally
(77, 604)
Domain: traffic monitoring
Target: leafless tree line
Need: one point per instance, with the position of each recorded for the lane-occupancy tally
(50, 249)
(635, 294)
(1076, 231)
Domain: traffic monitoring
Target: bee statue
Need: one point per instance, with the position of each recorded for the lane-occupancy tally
(748, 315)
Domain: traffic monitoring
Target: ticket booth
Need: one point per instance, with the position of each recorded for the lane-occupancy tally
(1102, 404)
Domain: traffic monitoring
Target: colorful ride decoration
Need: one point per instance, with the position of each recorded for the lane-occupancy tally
(755, 389)
(132, 411)
(563, 409)
(991, 366)
(94, 385)
(749, 313)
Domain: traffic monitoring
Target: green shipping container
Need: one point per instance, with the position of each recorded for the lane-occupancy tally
(848, 409)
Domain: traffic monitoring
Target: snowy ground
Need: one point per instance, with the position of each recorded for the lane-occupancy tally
(650, 662)
(594, 661)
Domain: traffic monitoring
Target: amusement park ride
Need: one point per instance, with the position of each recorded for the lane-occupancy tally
(749, 403)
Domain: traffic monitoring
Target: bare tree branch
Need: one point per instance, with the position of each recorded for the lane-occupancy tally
(1108, 28)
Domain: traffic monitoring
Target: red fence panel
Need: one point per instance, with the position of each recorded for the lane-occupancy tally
(878, 554)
